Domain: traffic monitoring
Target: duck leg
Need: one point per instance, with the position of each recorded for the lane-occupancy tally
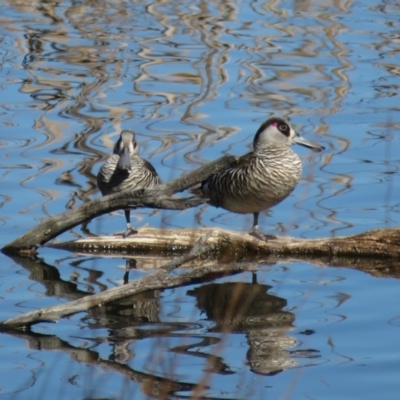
(129, 229)
(130, 263)
(254, 231)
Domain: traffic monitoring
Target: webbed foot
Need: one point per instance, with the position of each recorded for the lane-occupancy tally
(129, 231)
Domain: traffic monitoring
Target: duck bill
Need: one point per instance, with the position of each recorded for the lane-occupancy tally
(124, 162)
(308, 143)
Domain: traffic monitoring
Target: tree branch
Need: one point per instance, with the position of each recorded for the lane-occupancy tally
(155, 197)
(376, 252)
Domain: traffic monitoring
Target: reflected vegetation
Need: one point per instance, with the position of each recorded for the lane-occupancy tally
(153, 386)
(194, 80)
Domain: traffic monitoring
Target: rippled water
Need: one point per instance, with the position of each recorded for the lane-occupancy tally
(194, 81)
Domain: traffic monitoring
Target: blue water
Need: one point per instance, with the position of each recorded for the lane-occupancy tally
(195, 81)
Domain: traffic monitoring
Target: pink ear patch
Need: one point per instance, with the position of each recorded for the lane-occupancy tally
(274, 124)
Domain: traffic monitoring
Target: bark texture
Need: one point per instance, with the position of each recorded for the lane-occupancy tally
(233, 245)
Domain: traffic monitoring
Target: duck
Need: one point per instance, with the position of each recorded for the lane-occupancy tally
(126, 170)
(262, 178)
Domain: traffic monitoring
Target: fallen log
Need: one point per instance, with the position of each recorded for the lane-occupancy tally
(210, 252)
(233, 246)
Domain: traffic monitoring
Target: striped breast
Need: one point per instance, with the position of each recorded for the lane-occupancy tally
(112, 180)
(259, 181)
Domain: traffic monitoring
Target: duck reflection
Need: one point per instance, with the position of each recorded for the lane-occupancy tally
(130, 263)
(238, 307)
(143, 308)
(49, 276)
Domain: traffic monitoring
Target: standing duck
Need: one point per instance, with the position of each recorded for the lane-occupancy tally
(124, 170)
(262, 178)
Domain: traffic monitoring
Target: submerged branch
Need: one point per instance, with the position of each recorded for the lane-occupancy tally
(155, 197)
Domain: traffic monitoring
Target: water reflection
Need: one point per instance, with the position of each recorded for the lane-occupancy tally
(129, 264)
(193, 79)
(238, 307)
(151, 385)
(49, 276)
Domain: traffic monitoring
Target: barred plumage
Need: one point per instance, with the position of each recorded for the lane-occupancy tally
(124, 170)
(263, 177)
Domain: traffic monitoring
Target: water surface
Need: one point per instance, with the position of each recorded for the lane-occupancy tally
(195, 81)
